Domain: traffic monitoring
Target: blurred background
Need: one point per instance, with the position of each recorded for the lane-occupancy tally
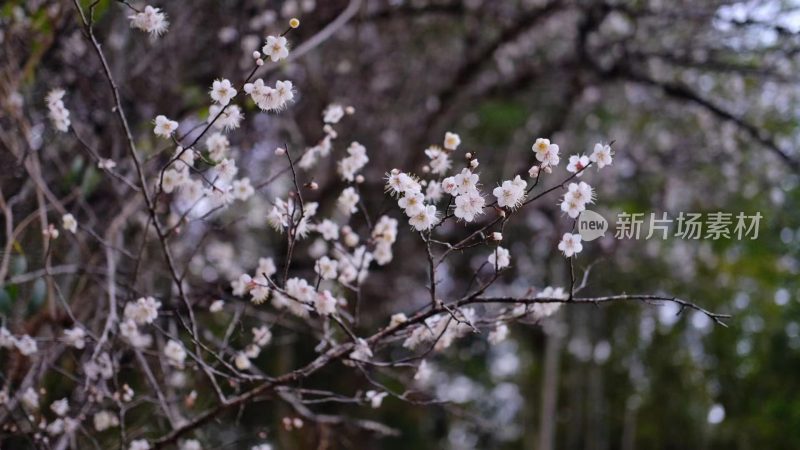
(699, 97)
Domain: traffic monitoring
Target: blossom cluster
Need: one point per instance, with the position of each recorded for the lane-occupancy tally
(150, 20)
(58, 113)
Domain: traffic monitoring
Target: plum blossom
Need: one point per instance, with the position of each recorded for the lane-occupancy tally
(150, 20)
(222, 91)
(602, 155)
(57, 112)
(143, 311)
(164, 127)
(357, 159)
(348, 200)
(325, 303)
(326, 268)
(511, 193)
(175, 353)
(570, 244)
(546, 152)
(425, 219)
(276, 48)
(361, 351)
(69, 223)
(500, 258)
(75, 337)
(451, 141)
(577, 163)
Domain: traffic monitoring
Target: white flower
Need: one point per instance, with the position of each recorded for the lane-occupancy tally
(75, 337)
(602, 155)
(217, 306)
(385, 230)
(261, 447)
(104, 420)
(175, 353)
(433, 191)
(328, 229)
(424, 373)
(469, 205)
(412, 203)
(348, 200)
(543, 310)
(361, 351)
(171, 180)
(266, 267)
(425, 219)
(577, 197)
(440, 160)
(261, 335)
(127, 393)
(333, 113)
(577, 164)
(300, 297)
(397, 319)
(164, 127)
(570, 244)
(241, 285)
(546, 152)
(30, 399)
(272, 99)
(60, 407)
(106, 164)
(511, 193)
(58, 113)
(451, 141)
(499, 334)
(326, 268)
(325, 303)
(466, 182)
(100, 367)
(500, 258)
(217, 145)
(69, 223)
(7, 339)
(276, 48)
(241, 361)
(26, 345)
(242, 189)
(139, 444)
(229, 118)
(350, 165)
(285, 92)
(222, 91)
(130, 331)
(150, 20)
(572, 206)
(375, 398)
(190, 444)
(143, 311)
(260, 290)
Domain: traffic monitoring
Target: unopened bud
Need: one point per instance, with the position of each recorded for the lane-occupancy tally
(280, 151)
(256, 54)
(497, 236)
(359, 178)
